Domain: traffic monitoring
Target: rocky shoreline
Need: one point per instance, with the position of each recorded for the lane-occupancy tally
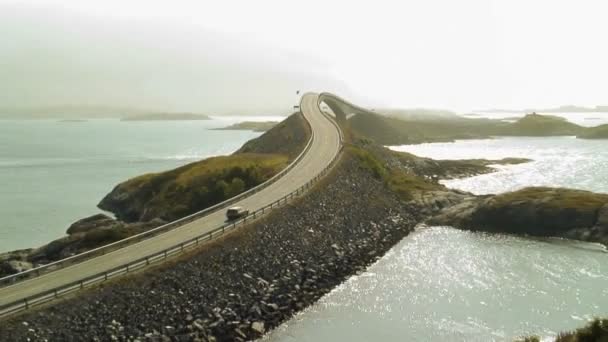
(245, 284)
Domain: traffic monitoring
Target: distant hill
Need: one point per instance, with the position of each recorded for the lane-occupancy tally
(69, 112)
(419, 114)
(541, 125)
(560, 109)
(166, 117)
(393, 131)
(599, 132)
(256, 126)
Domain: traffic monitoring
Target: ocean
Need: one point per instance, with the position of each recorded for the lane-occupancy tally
(55, 172)
(444, 284)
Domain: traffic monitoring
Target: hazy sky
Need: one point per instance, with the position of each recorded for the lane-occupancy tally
(463, 55)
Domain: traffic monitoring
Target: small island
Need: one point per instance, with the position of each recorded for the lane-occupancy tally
(256, 126)
(599, 132)
(166, 117)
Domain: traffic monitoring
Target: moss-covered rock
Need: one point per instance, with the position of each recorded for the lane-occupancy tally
(173, 194)
(538, 211)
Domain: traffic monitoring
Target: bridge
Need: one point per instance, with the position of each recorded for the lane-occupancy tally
(54, 281)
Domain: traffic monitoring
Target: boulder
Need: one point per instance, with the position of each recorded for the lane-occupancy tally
(91, 222)
(602, 217)
(537, 211)
(14, 266)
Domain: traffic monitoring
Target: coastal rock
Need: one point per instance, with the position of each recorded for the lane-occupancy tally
(538, 211)
(602, 217)
(91, 222)
(14, 266)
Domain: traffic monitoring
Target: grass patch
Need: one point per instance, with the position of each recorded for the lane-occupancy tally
(398, 181)
(173, 194)
(556, 198)
(595, 331)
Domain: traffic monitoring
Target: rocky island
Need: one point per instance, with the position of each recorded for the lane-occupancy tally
(389, 130)
(599, 132)
(536, 211)
(256, 126)
(166, 117)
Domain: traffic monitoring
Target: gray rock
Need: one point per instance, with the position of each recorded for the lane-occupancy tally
(258, 327)
(91, 222)
(602, 217)
(15, 266)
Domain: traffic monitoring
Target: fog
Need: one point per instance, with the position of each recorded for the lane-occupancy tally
(52, 57)
(251, 56)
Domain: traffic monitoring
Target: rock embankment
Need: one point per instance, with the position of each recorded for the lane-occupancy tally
(247, 283)
(83, 235)
(537, 211)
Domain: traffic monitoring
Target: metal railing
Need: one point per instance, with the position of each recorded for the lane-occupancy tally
(59, 264)
(52, 294)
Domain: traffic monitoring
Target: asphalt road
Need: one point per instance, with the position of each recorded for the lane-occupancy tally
(324, 147)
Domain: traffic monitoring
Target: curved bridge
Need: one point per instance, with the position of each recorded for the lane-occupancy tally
(340, 107)
(323, 150)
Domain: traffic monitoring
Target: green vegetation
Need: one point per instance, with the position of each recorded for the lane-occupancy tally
(100, 237)
(555, 198)
(369, 161)
(190, 188)
(401, 182)
(595, 331)
(599, 132)
(541, 125)
(529, 339)
(540, 211)
(416, 129)
(288, 137)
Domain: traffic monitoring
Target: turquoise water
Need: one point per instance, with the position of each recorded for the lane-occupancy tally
(54, 173)
(443, 284)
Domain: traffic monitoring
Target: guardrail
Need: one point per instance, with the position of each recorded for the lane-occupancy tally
(52, 294)
(35, 272)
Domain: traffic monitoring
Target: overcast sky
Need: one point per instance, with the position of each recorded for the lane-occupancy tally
(463, 55)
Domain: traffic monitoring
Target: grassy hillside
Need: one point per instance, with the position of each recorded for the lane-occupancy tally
(288, 137)
(394, 131)
(541, 125)
(599, 132)
(190, 188)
